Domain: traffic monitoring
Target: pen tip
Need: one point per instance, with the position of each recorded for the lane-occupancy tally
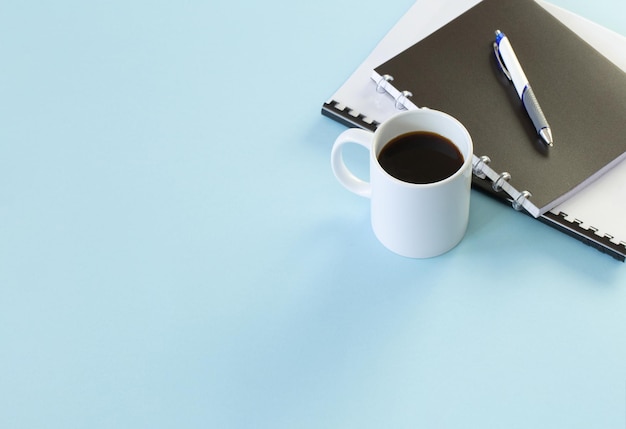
(546, 136)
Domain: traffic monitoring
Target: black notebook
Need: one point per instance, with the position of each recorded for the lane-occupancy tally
(593, 216)
(582, 94)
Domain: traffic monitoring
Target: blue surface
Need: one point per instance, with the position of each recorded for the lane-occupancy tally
(175, 251)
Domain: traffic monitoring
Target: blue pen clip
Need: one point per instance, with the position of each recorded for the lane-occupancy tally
(496, 51)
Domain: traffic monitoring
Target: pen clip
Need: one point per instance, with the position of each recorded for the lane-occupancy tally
(501, 65)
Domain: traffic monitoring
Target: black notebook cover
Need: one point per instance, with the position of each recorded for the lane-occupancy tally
(582, 94)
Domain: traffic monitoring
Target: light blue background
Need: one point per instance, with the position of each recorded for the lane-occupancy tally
(175, 251)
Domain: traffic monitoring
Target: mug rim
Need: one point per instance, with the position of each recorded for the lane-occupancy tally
(421, 111)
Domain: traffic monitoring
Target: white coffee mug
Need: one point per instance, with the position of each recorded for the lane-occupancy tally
(413, 220)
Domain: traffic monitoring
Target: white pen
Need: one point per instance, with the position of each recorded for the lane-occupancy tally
(513, 70)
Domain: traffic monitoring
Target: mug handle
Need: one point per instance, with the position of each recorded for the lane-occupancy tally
(342, 173)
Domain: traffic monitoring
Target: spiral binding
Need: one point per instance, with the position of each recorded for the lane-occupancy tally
(349, 117)
(518, 203)
(478, 166)
(402, 98)
(499, 182)
(605, 243)
(381, 85)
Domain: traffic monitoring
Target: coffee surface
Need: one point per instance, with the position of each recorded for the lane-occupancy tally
(420, 157)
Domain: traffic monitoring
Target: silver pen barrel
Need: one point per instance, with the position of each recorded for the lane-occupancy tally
(536, 115)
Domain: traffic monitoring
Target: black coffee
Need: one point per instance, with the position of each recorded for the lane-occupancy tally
(420, 157)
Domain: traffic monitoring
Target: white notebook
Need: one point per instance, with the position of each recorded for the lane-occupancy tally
(594, 215)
